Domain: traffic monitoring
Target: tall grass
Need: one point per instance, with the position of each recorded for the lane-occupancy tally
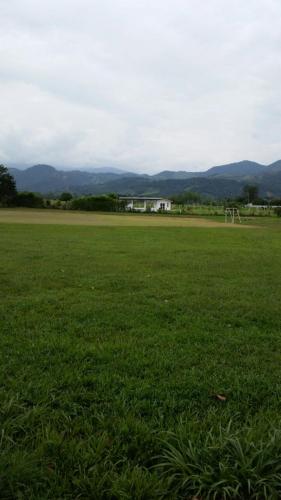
(223, 465)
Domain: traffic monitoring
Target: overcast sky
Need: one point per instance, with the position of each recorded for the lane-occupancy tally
(141, 84)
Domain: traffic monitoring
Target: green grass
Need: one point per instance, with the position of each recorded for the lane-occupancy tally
(114, 341)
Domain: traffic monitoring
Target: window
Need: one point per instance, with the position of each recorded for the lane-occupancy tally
(162, 206)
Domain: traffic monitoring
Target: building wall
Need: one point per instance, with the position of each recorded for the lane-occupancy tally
(163, 205)
(154, 206)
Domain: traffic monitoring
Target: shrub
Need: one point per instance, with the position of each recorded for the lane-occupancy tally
(28, 199)
(66, 196)
(277, 211)
(97, 203)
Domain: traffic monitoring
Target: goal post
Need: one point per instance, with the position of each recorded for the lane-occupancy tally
(232, 214)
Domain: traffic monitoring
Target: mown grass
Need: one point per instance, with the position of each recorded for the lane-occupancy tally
(115, 342)
(68, 217)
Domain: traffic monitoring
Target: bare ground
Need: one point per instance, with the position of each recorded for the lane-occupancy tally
(30, 216)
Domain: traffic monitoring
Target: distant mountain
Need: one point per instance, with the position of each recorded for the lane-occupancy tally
(46, 179)
(106, 170)
(217, 182)
(274, 167)
(18, 166)
(235, 170)
(89, 169)
(180, 174)
(213, 188)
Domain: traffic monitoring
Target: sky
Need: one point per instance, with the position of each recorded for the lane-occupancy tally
(146, 85)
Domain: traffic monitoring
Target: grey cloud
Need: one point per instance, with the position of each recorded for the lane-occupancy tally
(139, 84)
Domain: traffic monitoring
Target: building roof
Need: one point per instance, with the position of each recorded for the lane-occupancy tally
(250, 205)
(143, 198)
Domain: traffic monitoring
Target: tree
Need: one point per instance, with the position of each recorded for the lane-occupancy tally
(186, 198)
(29, 199)
(66, 196)
(250, 193)
(8, 190)
(102, 203)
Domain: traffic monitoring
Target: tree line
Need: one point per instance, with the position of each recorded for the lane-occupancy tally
(10, 197)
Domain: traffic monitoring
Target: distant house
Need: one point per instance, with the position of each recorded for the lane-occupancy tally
(251, 205)
(143, 204)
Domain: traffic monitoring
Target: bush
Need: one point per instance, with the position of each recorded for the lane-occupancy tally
(28, 199)
(66, 196)
(277, 211)
(98, 203)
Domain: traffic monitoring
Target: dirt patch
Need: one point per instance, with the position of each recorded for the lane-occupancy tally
(25, 216)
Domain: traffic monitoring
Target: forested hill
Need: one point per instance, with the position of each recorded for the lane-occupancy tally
(217, 182)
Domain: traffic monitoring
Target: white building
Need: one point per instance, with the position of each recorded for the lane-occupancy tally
(143, 204)
(250, 205)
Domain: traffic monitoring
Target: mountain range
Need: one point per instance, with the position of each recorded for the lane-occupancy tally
(217, 182)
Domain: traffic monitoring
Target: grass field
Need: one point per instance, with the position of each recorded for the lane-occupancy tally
(73, 218)
(140, 362)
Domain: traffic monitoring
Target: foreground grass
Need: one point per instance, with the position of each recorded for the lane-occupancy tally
(114, 345)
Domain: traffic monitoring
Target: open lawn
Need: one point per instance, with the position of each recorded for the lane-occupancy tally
(139, 362)
(67, 217)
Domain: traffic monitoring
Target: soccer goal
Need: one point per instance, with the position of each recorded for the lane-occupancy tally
(232, 215)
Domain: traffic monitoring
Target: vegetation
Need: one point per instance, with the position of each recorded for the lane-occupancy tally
(27, 199)
(187, 198)
(10, 197)
(8, 189)
(140, 363)
(187, 201)
(224, 464)
(104, 203)
(65, 196)
(250, 193)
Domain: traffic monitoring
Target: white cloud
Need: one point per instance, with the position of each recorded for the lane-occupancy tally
(143, 85)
